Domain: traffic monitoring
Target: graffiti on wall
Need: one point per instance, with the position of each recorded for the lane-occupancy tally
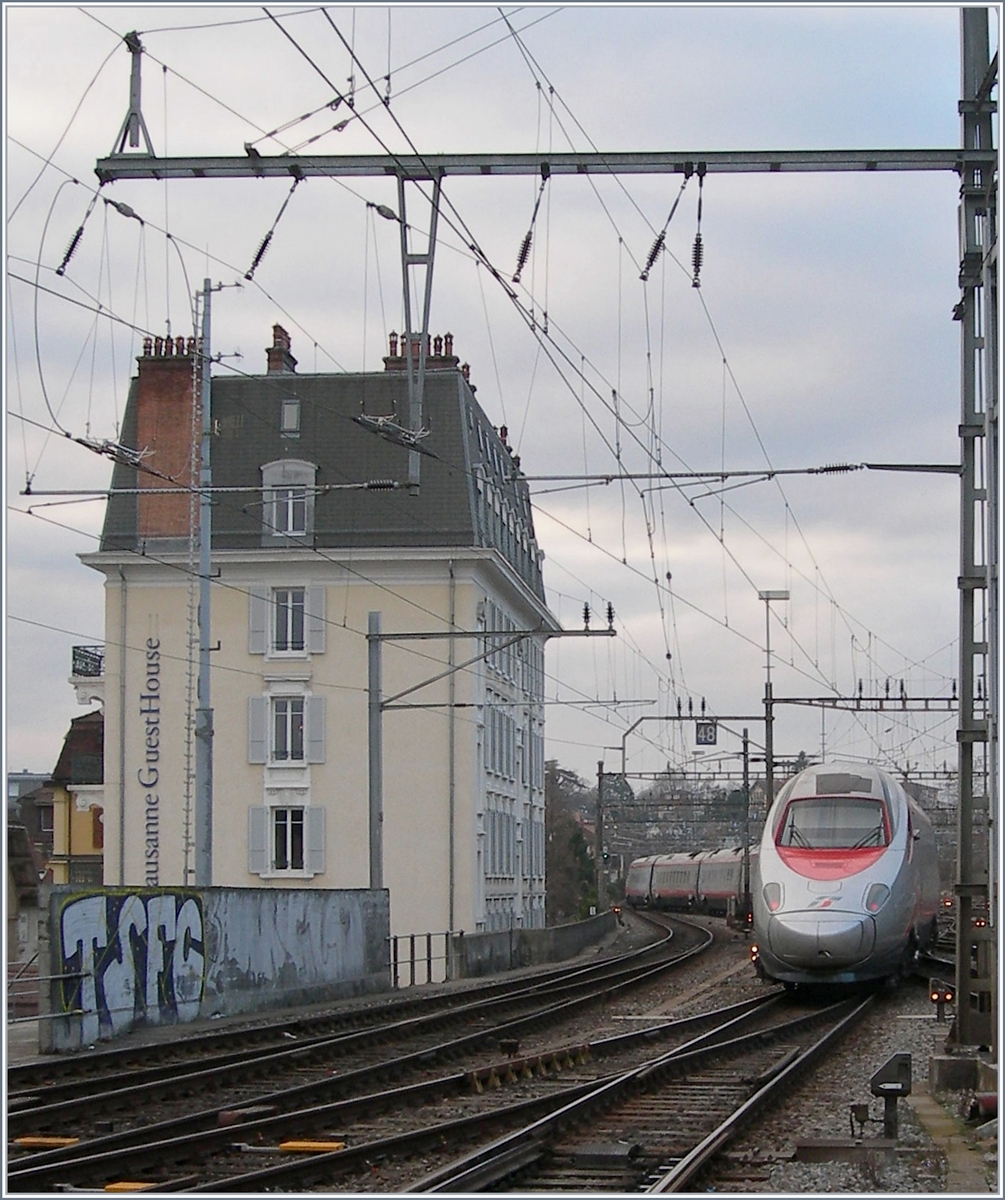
(131, 958)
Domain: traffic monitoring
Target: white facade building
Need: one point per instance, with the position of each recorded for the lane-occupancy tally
(300, 560)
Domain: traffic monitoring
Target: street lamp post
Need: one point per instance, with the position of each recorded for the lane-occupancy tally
(769, 717)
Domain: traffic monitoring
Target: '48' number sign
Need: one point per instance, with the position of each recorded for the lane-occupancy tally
(704, 733)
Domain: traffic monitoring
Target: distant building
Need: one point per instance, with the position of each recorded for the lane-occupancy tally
(25, 873)
(78, 803)
(302, 552)
(35, 812)
(20, 783)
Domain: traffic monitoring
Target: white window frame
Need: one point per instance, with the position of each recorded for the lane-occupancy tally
(289, 510)
(284, 824)
(287, 729)
(285, 603)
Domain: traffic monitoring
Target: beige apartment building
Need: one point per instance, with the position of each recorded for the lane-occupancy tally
(309, 539)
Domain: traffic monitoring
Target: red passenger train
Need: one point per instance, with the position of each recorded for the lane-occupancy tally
(703, 881)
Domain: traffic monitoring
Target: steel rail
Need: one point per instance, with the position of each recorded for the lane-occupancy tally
(180, 1137)
(28, 1079)
(684, 1172)
(598, 980)
(491, 1163)
(508, 1151)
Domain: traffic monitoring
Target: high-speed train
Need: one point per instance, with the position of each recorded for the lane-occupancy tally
(846, 885)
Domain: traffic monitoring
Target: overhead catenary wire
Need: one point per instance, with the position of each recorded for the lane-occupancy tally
(539, 350)
(329, 19)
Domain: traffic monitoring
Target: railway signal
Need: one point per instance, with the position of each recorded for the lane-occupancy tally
(940, 994)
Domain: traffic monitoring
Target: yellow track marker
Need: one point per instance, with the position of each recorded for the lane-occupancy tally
(309, 1147)
(33, 1142)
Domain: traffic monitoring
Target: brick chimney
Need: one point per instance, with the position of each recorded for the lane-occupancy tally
(167, 391)
(281, 361)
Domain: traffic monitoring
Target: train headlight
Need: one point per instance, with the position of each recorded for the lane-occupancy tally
(772, 893)
(876, 897)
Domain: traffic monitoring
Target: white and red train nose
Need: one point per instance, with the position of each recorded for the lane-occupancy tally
(828, 939)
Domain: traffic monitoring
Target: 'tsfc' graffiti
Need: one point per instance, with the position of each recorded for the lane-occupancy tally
(131, 958)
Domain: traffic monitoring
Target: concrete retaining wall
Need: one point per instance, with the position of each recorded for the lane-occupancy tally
(120, 958)
(486, 953)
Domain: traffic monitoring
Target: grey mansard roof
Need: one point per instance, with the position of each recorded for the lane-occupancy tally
(471, 493)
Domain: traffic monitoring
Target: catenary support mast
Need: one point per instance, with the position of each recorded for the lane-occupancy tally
(976, 311)
(204, 710)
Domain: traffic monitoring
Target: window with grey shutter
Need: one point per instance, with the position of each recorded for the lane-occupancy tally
(258, 619)
(316, 624)
(258, 856)
(258, 723)
(315, 859)
(315, 729)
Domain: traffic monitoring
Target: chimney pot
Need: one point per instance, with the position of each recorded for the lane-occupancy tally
(448, 344)
(466, 370)
(394, 345)
(158, 346)
(438, 346)
(148, 345)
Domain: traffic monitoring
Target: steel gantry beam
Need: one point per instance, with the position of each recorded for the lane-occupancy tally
(434, 167)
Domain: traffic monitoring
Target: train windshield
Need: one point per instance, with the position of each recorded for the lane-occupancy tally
(834, 823)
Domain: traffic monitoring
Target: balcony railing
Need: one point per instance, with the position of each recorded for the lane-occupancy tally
(88, 661)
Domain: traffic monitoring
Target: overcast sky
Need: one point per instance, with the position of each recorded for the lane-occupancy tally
(821, 332)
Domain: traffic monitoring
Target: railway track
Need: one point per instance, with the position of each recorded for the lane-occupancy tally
(117, 1061)
(316, 1102)
(655, 1128)
(72, 1105)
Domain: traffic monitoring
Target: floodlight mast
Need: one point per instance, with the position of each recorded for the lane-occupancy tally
(769, 708)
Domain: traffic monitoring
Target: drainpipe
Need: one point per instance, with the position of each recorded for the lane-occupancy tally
(122, 727)
(451, 735)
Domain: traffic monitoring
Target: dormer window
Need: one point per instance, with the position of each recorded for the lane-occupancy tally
(289, 417)
(287, 500)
